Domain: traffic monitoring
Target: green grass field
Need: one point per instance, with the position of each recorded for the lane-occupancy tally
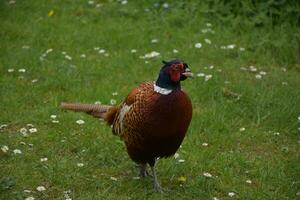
(245, 127)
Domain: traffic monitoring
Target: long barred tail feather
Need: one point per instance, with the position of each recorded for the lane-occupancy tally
(96, 110)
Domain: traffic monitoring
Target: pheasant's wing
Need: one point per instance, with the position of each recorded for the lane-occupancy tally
(131, 111)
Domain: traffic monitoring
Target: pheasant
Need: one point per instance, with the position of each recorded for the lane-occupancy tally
(152, 120)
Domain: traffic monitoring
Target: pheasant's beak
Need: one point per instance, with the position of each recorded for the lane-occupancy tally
(188, 73)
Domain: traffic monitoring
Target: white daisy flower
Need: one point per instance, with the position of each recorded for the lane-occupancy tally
(154, 41)
(44, 159)
(152, 54)
(242, 129)
(200, 75)
(198, 45)
(113, 101)
(83, 56)
(263, 73)
(3, 126)
(115, 93)
(49, 51)
(133, 51)
(91, 2)
(252, 68)
(17, 151)
(113, 178)
(55, 121)
(208, 24)
(231, 46)
(41, 188)
(10, 70)
(208, 77)
(23, 131)
(22, 70)
(80, 164)
(248, 181)
(80, 121)
(165, 5)
(175, 51)
(207, 174)
(207, 41)
(204, 144)
(32, 130)
(276, 133)
(68, 57)
(181, 161)
(124, 2)
(101, 51)
(231, 194)
(30, 198)
(4, 148)
(53, 116)
(258, 76)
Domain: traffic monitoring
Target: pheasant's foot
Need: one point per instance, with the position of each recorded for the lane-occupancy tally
(143, 170)
(158, 188)
(156, 184)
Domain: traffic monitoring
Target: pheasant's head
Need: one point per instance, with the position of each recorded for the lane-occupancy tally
(172, 73)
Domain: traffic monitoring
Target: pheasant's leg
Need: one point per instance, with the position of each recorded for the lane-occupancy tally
(157, 186)
(143, 170)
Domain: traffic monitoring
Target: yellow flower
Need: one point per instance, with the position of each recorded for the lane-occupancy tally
(50, 13)
(181, 179)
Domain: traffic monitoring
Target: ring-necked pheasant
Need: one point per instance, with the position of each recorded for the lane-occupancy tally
(152, 120)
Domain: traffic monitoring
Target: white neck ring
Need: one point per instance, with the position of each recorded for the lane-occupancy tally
(160, 90)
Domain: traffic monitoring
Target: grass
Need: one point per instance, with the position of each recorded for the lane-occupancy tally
(265, 106)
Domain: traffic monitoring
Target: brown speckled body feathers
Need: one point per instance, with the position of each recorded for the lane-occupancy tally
(151, 124)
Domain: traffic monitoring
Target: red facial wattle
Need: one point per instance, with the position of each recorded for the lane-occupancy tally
(175, 76)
